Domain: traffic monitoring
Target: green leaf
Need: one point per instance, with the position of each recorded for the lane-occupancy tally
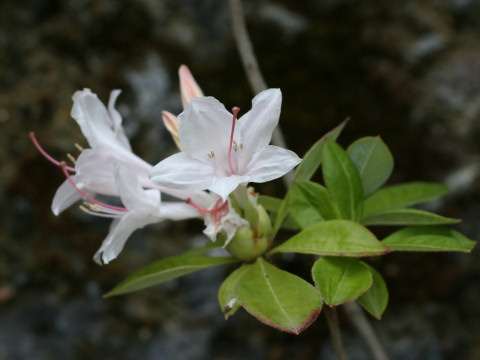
(428, 238)
(278, 298)
(281, 214)
(310, 203)
(334, 237)
(226, 294)
(313, 158)
(343, 181)
(407, 216)
(341, 279)
(167, 269)
(375, 300)
(402, 195)
(373, 160)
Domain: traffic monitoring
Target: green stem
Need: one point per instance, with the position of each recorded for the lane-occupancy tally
(365, 330)
(333, 325)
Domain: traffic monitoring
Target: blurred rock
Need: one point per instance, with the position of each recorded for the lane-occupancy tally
(408, 71)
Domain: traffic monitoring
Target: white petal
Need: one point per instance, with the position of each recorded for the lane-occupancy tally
(93, 118)
(95, 172)
(178, 211)
(132, 194)
(228, 224)
(180, 171)
(205, 126)
(65, 196)
(117, 120)
(120, 230)
(271, 163)
(225, 185)
(95, 168)
(258, 124)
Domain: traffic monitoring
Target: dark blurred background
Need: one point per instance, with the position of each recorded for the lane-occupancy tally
(406, 70)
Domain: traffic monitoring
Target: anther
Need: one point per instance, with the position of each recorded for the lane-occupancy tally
(72, 159)
(96, 213)
(79, 147)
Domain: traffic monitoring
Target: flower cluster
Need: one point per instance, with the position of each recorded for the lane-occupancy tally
(219, 155)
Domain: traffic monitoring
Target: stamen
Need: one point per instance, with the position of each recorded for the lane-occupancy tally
(217, 209)
(91, 212)
(79, 147)
(221, 211)
(72, 159)
(63, 165)
(92, 206)
(44, 153)
(207, 211)
(235, 111)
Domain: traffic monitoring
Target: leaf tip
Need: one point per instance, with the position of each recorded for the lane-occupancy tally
(313, 316)
(387, 251)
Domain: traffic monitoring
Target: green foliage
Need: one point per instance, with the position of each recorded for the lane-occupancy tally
(375, 300)
(407, 216)
(334, 237)
(428, 238)
(278, 298)
(341, 279)
(343, 181)
(330, 220)
(167, 269)
(373, 161)
(311, 203)
(402, 195)
(226, 294)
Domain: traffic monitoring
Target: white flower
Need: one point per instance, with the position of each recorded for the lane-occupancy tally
(219, 217)
(103, 130)
(227, 224)
(207, 135)
(94, 167)
(142, 207)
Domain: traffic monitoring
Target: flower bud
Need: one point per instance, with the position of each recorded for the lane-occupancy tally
(250, 242)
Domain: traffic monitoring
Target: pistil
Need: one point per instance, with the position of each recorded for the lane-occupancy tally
(63, 165)
(235, 111)
(45, 154)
